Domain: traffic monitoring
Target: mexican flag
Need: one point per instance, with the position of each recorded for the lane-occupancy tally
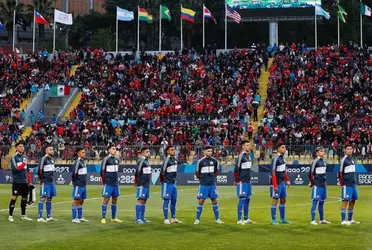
(60, 90)
(365, 10)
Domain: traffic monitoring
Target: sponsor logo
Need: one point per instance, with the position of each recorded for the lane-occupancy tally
(222, 179)
(155, 176)
(129, 170)
(93, 178)
(60, 180)
(195, 181)
(298, 180)
(365, 179)
(8, 178)
(254, 180)
(126, 179)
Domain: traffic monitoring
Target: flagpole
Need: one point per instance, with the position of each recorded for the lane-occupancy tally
(117, 30)
(33, 36)
(160, 29)
(338, 31)
(225, 26)
(361, 27)
(54, 31)
(203, 28)
(316, 30)
(181, 32)
(138, 33)
(14, 28)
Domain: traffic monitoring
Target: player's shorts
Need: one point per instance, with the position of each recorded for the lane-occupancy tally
(110, 191)
(168, 191)
(48, 190)
(282, 192)
(143, 193)
(79, 193)
(319, 193)
(20, 189)
(205, 192)
(243, 190)
(349, 193)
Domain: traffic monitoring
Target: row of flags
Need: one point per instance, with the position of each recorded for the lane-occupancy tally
(341, 12)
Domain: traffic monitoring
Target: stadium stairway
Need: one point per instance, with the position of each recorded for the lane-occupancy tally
(73, 105)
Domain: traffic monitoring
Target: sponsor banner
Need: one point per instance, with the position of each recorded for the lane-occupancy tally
(305, 168)
(364, 179)
(190, 179)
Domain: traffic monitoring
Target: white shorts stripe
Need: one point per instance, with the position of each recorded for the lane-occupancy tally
(314, 192)
(165, 189)
(344, 189)
(104, 190)
(240, 188)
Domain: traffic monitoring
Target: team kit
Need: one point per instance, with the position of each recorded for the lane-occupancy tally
(206, 171)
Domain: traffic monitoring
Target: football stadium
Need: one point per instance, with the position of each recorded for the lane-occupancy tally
(194, 124)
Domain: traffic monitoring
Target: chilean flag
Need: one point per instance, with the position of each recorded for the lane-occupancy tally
(39, 18)
(208, 14)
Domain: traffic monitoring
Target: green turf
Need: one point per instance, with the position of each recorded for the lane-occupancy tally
(207, 235)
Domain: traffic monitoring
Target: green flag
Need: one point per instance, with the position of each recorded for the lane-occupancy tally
(165, 13)
(340, 13)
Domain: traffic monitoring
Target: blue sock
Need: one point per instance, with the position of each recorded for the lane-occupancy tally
(104, 209)
(343, 214)
(240, 207)
(199, 211)
(273, 212)
(79, 212)
(216, 211)
(49, 209)
(246, 208)
(313, 209)
(173, 208)
(143, 210)
(165, 209)
(73, 209)
(113, 211)
(282, 211)
(321, 210)
(40, 209)
(138, 211)
(350, 213)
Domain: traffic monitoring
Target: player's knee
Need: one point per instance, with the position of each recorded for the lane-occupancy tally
(201, 202)
(214, 201)
(283, 201)
(49, 199)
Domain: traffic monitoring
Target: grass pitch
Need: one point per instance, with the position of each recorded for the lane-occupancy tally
(300, 235)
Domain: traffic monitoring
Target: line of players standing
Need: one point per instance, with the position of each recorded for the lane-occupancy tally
(206, 171)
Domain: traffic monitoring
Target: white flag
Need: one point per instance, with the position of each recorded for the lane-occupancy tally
(62, 17)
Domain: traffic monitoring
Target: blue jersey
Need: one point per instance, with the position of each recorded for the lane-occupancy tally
(278, 166)
(207, 170)
(46, 170)
(242, 168)
(109, 170)
(347, 172)
(18, 165)
(318, 171)
(79, 173)
(169, 170)
(143, 173)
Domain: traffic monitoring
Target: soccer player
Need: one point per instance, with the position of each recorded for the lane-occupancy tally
(317, 177)
(279, 183)
(142, 182)
(168, 189)
(349, 193)
(21, 179)
(79, 191)
(47, 184)
(109, 175)
(242, 175)
(206, 172)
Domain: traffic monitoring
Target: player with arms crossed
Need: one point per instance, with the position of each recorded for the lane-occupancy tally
(279, 182)
(317, 177)
(21, 179)
(206, 172)
(142, 179)
(47, 184)
(109, 175)
(349, 193)
(79, 191)
(168, 189)
(242, 175)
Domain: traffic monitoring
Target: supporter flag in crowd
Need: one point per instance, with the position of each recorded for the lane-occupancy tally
(340, 13)
(187, 14)
(365, 10)
(124, 15)
(39, 18)
(144, 15)
(208, 14)
(233, 14)
(62, 17)
(1, 27)
(165, 13)
(60, 90)
(319, 11)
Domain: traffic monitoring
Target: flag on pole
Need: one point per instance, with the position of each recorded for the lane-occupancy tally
(144, 15)
(39, 18)
(340, 13)
(124, 15)
(62, 17)
(1, 27)
(208, 14)
(60, 90)
(319, 11)
(187, 14)
(365, 10)
(233, 14)
(165, 13)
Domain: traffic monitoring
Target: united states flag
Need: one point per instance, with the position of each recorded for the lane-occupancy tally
(233, 14)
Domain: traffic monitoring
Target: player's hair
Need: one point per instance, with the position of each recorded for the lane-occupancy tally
(78, 150)
(207, 147)
(19, 143)
(279, 145)
(110, 146)
(347, 145)
(244, 142)
(317, 149)
(144, 149)
(48, 146)
(168, 147)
